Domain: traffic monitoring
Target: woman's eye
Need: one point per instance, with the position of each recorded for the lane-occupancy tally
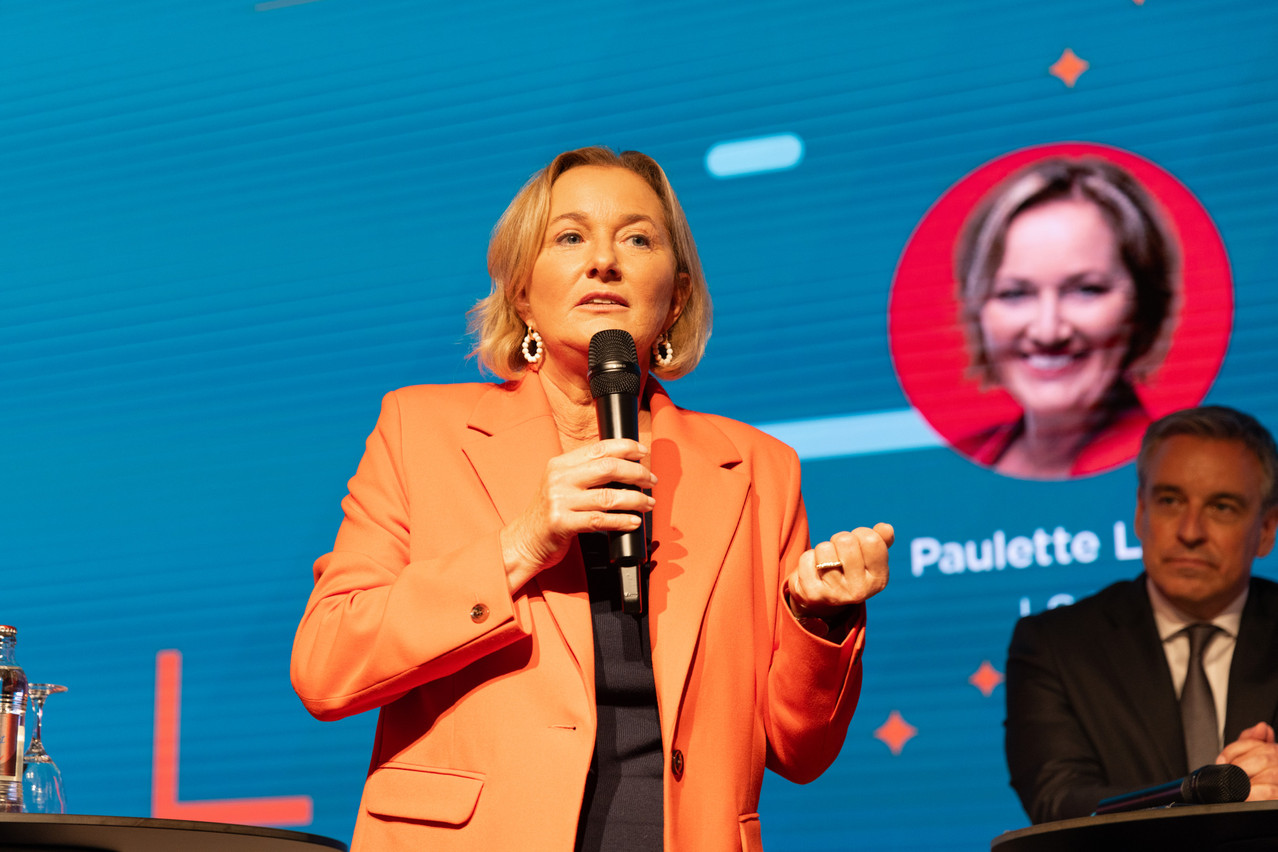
(1093, 288)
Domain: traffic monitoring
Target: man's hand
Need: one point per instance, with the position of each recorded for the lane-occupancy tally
(1256, 753)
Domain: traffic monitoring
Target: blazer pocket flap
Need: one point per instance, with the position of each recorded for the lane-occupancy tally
(423, 793)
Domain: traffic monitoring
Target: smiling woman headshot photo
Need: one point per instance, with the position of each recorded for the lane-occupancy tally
(1068, 281)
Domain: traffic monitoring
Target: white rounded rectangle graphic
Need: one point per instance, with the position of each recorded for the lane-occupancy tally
(752, 156)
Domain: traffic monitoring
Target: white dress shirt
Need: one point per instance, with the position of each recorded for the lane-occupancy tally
(1216, 659)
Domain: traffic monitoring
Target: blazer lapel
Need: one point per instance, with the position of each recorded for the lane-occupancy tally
(1135, 659)
(513, 435)
(1253, 673)
(699, 501)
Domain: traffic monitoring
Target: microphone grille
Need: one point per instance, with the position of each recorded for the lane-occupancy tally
(613, 363)
(1220, 783)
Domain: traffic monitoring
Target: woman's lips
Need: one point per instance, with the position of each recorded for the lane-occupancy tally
(604, 300)
(1052, 363)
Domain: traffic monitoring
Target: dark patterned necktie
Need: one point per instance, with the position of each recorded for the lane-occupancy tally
(1197, 705)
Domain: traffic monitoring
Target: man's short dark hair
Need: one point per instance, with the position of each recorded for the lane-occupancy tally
(1220, 423)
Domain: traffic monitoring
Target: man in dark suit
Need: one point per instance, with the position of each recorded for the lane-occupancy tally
(1109, 695)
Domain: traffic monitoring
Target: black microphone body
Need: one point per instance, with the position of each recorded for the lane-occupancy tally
(1210, 785)
(614, 384)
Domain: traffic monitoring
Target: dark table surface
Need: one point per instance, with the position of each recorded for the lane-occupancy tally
(66, 832)
(1237, 827)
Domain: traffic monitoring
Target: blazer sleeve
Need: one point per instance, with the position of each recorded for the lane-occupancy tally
(813, 684)
(377, 624)
(1056, 768)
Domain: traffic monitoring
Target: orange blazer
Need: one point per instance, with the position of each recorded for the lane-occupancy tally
(487, 705)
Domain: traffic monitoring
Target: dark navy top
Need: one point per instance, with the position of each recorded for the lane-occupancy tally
(622, 806)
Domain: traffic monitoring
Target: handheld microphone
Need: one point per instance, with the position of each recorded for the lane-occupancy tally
(613, 372)
(1210, 785)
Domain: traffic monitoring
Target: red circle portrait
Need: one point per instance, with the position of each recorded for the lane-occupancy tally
(999, 337)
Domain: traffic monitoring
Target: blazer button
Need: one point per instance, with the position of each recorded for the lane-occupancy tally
(676, 764)
(479, 613)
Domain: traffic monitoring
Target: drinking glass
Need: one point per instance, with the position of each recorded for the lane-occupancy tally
(41, 780)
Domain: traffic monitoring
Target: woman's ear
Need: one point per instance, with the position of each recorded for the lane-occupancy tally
(519, 301)
(683, 289)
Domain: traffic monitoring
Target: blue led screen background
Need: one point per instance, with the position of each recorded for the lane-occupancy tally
(230, 227)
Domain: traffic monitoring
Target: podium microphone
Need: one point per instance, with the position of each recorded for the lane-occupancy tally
(1211, 785)
(613, 372)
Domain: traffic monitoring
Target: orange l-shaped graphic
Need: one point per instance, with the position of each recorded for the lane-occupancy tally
(271, 811)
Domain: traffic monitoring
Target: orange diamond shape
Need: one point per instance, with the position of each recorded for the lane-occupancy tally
(1069, 68)
(896, 732)
(986, 678)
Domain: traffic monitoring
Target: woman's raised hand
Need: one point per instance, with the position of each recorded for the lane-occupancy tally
(571, 500)
(848, 569)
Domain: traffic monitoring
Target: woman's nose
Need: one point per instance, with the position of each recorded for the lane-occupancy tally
(1049, 326)
(604, 267)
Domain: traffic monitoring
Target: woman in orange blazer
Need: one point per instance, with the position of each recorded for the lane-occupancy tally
(456, 597)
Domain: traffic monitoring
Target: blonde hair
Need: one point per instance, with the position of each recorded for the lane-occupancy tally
(516, 241)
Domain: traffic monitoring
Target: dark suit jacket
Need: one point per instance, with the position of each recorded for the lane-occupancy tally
(1091, 710)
